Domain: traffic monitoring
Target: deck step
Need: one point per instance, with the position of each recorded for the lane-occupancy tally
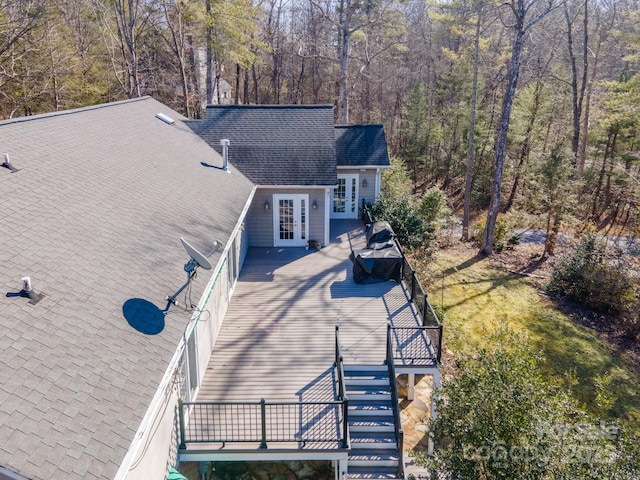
(361, 381)
(377, 408)
(372, 473)
(376, 440)
(369, 457)
(371, 423)
(374, 451)
(369, 393)
(349, 369)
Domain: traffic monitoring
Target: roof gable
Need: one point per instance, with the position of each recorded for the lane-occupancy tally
(275, 144)
(94, 216)
(361, 145)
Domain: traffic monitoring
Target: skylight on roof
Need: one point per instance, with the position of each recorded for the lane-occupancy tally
(165, 118)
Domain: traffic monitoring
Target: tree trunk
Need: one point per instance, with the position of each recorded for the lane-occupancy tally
(209, 56)
(526, 145)
(577, 91)
(176, 28)
(472, 128)
(236, 99)
(256, 89)
(343, 95)
(608, 152)
(551, 237)
(245, 92)
(582, 151)
(501, 142)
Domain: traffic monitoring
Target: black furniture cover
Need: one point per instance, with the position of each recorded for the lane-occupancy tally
(372, 266)
(381, 260)
(379, 233)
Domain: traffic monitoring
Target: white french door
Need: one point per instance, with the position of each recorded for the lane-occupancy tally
(291, 220)
(345, 197)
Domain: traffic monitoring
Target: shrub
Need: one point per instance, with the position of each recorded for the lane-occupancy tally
(500, 235)
(408, 224)
(498, 418)
(592, 277)
(433, 204)
(396, 181)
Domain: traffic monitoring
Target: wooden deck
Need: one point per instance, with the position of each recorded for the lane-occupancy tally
(277, 339)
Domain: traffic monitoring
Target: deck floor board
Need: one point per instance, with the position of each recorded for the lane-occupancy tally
(277, 338)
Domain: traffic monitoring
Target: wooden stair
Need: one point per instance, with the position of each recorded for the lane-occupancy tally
(374, 450)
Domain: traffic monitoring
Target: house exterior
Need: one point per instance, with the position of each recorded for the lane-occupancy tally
(94, 215)
(362, 155)
(307, 170)
(94, 358)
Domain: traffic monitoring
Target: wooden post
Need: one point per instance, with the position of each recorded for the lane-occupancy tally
(341, 469)
(411, 380)
(434, 411)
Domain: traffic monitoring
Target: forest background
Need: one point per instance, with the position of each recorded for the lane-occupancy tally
(525, 105)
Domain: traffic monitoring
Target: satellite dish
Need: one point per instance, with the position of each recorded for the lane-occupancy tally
(197, 260)
(196, 256)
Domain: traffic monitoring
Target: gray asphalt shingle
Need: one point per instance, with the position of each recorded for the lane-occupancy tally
(275, 144)
(361, 145)
(94, 217)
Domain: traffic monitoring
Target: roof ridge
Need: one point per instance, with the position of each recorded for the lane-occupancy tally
(360, 125)
(273, 106)
(72, 111)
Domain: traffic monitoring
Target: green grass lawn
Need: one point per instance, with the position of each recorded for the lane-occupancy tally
(477, 299)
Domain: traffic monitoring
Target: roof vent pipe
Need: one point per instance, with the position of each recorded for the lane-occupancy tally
(7, 164)
(225, 154)
(27, 291)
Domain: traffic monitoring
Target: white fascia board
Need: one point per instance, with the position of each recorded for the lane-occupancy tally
(362, 167)
(262, 455)
(293, 187)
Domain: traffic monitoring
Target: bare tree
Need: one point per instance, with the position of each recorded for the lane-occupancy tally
(176, 18)
(577, 85)
(472, 125)
(519, 11)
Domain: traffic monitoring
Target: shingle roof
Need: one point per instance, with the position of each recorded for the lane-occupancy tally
(94, 217)
(361, 145)
(275, 144)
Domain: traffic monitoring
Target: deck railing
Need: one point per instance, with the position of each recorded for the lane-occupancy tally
(395, 403)
(432, 327)
(262, 422)
(269, 422)
(342, 391)
(414, 345)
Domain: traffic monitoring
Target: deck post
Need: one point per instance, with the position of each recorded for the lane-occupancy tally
(263, 419)
(411, 381)
(345, 423)
(183, 445)
(434, 411)
(341, 469)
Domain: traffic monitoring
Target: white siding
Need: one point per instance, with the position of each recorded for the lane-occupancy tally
(260, 221)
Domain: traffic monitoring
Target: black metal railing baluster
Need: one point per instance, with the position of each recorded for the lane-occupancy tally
(263, 423)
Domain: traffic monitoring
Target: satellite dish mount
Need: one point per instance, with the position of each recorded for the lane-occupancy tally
(197, 260)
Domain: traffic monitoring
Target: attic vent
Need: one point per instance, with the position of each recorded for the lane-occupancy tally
(165, 118)
(7, 164)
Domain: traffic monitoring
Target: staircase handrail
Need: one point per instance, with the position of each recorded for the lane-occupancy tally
(395, 403)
